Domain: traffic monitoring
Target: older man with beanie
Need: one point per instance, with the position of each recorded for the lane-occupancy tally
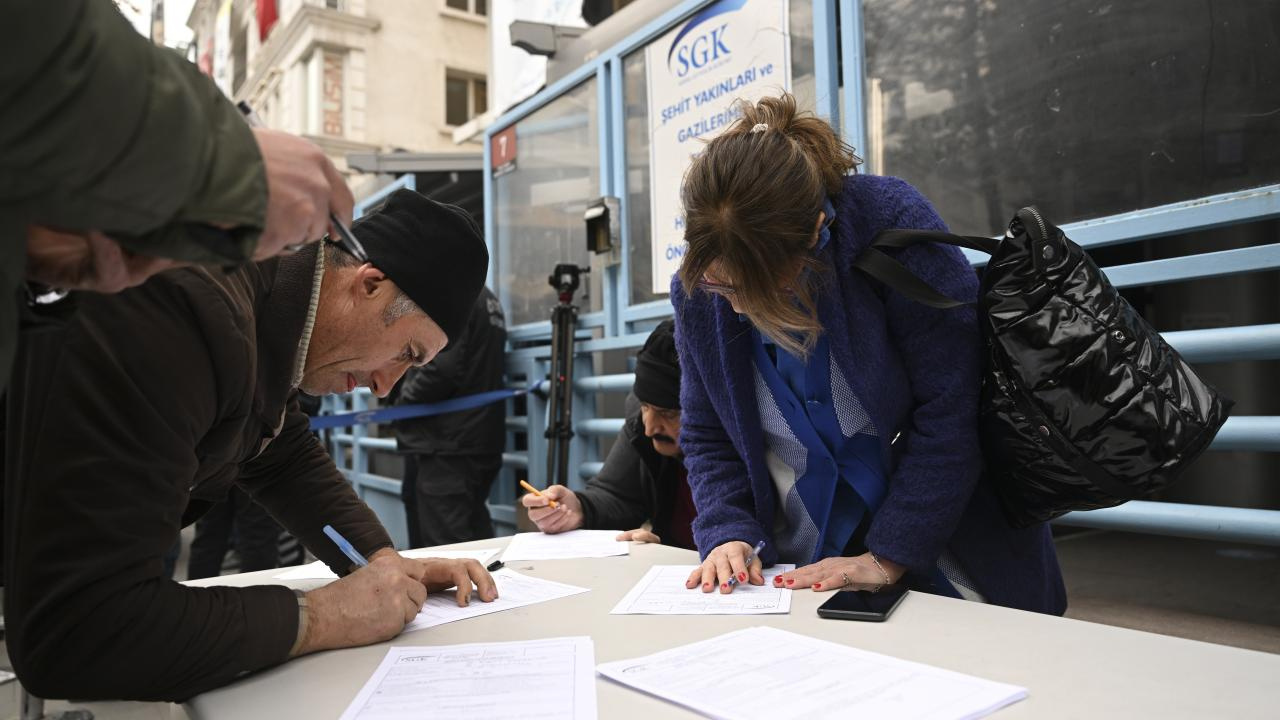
(131, 414)
(643, 479)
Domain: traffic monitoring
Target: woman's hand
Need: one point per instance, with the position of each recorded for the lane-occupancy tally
(841, 573)
(727, 561)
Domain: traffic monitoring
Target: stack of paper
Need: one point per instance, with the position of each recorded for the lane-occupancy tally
(765, 673)
(544, 679)
(572, 544)
(662, 592)
(514, 590)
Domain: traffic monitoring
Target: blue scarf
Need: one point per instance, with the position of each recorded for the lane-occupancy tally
(843, 478)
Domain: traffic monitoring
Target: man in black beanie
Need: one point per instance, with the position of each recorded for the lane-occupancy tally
(130, 414)
(643, 479)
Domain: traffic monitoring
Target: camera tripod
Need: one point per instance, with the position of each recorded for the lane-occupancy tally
(564, 321)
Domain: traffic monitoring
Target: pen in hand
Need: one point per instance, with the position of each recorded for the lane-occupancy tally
(750, 559)
(535, 491)
(346, 547)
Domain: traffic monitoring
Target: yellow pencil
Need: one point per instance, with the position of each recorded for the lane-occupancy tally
(534, 490)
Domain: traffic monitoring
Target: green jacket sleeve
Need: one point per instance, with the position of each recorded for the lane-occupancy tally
(103, 130)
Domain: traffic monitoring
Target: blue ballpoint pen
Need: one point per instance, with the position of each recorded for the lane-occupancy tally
(347, 548)
(750, 559)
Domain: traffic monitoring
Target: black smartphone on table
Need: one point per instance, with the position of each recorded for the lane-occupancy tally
(863, 604)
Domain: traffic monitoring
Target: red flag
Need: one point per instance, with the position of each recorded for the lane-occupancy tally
(267, 16)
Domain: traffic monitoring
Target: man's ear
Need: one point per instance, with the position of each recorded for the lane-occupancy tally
(370, 280)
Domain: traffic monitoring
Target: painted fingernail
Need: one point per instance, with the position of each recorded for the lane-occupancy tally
(742, 577)
(790, 581)
(724, 586)
(817, 586)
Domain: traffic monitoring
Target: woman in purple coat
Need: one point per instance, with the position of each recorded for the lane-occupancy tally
(824, 415)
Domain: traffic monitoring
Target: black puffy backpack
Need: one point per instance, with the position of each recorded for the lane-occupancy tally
(1084, 405)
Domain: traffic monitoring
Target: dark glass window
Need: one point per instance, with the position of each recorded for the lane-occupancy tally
(1086, 109)
(537, 208)
(455, 101)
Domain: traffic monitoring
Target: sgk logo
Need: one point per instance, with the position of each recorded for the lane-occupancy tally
(690, 51)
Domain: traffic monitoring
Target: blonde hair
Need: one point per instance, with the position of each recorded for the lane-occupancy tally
(751, 202)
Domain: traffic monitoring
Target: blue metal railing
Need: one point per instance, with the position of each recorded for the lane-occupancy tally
(1243, 433)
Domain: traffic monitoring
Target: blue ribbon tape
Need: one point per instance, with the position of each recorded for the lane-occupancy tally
(404, 412)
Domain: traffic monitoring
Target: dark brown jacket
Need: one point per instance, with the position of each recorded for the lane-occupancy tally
(128, 416)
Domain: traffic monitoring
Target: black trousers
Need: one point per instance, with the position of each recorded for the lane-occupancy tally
(256, 536)
(444, 497)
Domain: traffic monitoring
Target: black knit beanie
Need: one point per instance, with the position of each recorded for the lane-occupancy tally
(432, 251)
(658, 369)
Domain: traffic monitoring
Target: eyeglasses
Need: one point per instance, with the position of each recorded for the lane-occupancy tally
(707, 284)
(712, 286)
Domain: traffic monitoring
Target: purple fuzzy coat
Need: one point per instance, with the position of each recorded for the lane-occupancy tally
(916, 370)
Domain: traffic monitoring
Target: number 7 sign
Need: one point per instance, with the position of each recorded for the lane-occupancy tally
(502, 152)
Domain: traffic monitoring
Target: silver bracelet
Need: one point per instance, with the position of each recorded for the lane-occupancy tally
(879, 567)
(302, 622)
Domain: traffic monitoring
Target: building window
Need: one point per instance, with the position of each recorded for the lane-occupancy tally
(479, 7)
(331, 109)
(323, 96)
(464, 98)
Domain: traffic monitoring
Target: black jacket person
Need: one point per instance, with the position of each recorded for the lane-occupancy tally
(453, 458)
(129, 414)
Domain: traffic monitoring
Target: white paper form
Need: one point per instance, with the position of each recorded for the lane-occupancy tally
(562, 546)
(319, 571)
(550, 679)
(662, 592)
(767, 673)
(514, 590)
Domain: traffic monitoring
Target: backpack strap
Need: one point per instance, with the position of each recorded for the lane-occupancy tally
(877, 264)
(907, 238)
